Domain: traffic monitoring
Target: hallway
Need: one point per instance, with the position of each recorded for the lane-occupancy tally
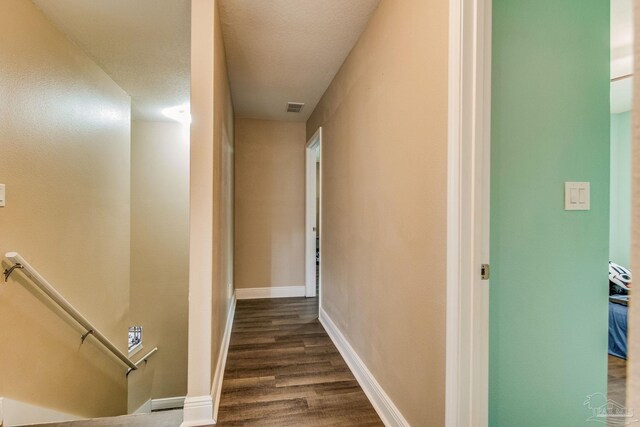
(282, 369)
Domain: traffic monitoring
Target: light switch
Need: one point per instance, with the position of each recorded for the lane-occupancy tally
(577, 196)
(574, 195)
(2, 201)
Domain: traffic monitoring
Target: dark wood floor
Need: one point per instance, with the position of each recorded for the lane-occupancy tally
(283, 370)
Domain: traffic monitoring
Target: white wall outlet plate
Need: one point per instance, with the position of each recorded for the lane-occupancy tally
(577, 196)
(2, 195)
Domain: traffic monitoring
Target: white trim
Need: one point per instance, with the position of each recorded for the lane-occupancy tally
(203, 410)
(198, 411)
(201, 218)
(320, 222)
(167, 403)
(160, 404)
(13, 412)
(315, 140)
(453, 217)
(216, 390)
(270, 292)
(382, 403)
(310, 211)
(468, 213)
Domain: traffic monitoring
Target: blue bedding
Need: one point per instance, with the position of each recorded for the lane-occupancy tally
(618, 330)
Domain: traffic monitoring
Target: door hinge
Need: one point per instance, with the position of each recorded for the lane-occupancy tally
(485, 271)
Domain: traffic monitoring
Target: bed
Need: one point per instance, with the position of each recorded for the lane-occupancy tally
(618, 329)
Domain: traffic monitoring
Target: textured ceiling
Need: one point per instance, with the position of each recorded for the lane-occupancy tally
(277, 50)
(143, 45)
(287, 50)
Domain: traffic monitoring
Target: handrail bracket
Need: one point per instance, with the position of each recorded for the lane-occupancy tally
(42, 284)
(7, 272)
(85, 335)
(64, 305)
(144, 359)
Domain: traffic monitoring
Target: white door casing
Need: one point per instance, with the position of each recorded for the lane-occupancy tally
(315, 142)
(467, 372)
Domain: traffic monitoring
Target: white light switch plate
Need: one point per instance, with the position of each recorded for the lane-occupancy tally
(577, 196)
(2, 201)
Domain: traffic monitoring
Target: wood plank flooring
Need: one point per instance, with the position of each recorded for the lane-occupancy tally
(283, 370)
(616, 384)
(617, 380)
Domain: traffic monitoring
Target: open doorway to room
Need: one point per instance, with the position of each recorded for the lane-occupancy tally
(313, 215)
(620, 196)
(551, 135)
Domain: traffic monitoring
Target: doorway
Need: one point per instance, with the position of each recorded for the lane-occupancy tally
(313, 215)
(545, 355)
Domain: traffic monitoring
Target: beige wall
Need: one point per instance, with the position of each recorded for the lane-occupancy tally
(384, 187)
(223, 163)
(64, 144)
(200, 205)
(160, 257)
(211, 205)
(633, 382)
(269, 203)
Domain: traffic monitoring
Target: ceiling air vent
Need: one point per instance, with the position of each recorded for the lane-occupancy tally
(294, 107)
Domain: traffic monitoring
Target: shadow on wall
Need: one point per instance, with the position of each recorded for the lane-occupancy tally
(160, 257)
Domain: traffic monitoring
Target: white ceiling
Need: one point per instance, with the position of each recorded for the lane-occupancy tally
(621, 54)
(277, 50)
(287, 50)
(144, 46)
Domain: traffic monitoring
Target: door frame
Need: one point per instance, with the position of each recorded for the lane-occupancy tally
(468, 203)
(311, 195)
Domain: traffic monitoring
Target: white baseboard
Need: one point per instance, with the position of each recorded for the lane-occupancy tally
(198, 411)
(14, 413)
(218, 377)
(384, 406)
(203, 410)
(271, 292)
(167, 403)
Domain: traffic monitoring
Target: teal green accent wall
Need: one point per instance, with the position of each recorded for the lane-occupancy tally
(548, 291)
(620, 223)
